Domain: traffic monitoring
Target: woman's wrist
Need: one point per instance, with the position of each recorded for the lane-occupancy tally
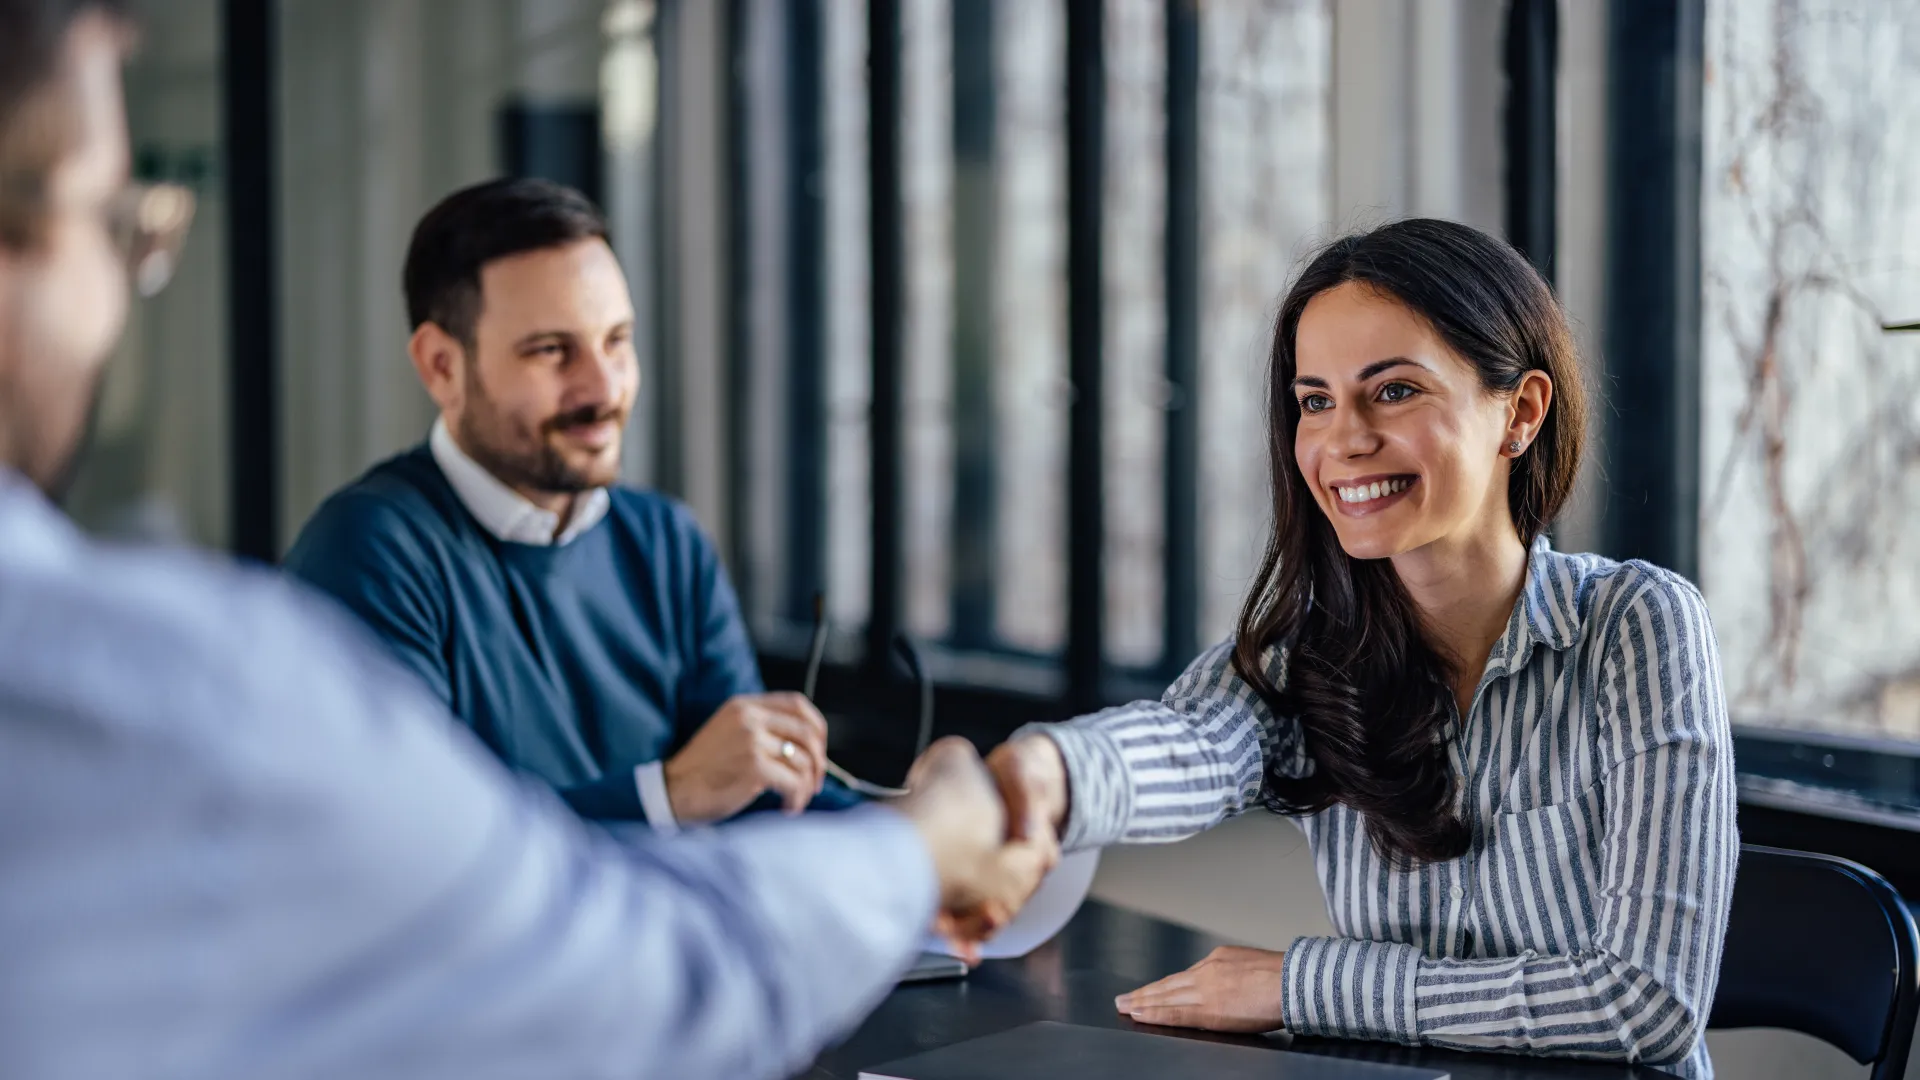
(1032, 775)
(1050, 768)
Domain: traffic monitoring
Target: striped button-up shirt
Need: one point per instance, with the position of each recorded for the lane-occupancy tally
(1596, 773)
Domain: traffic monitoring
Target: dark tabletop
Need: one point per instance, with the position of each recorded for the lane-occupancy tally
(1104, 952)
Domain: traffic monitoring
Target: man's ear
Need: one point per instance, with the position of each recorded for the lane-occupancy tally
(440, 360)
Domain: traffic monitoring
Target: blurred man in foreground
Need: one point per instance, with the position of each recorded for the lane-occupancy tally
(236, 840)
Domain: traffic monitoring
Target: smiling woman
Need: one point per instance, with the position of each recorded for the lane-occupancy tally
(1513, 765)
(1416, 446)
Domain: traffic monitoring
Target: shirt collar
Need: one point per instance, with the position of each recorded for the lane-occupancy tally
(503, 511)
(31, 528)
(1548, 612)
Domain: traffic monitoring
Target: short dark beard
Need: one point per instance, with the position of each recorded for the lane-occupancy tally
(540, 468)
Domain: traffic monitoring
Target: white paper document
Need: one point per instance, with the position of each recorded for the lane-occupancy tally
(1058, 897)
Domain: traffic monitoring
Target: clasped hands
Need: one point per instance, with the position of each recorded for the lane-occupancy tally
(1233, 989)
(993, 831)
(992, 836)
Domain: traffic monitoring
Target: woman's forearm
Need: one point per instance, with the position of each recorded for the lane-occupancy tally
(1155, 771)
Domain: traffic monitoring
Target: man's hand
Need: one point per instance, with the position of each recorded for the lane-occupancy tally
(985, 877)
(755, 743)
(1033, 782)
(1233, 989)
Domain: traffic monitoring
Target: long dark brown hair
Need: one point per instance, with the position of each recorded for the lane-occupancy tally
(1369, 690)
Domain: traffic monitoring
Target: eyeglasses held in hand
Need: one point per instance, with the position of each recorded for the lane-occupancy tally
(903, 647)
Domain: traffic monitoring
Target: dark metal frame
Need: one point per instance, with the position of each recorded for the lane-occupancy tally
(249, 62)
(739, 289)
(1532, 56)
(1655, 62)
(886, 235)
(976, 213)
(668, 394)
(1086, 501)
(806, 309)
(1180, 634)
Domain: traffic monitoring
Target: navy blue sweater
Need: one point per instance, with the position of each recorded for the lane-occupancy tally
(575, 662)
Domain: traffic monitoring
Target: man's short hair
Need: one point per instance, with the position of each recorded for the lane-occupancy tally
(474, 226)
(37, 127)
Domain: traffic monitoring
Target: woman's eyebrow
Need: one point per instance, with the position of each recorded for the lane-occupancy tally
(1389, 364)
(1366, 373)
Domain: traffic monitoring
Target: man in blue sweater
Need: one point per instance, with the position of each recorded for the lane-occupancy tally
(586, 631)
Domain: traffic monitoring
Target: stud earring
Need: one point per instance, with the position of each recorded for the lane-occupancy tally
(1513, 447)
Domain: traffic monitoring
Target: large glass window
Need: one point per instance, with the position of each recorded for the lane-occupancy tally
(1264, 162)
(986, 399)
(1266, 159)
(849, 339)
(1810, 423)
(1027, 448)
(1136, 386)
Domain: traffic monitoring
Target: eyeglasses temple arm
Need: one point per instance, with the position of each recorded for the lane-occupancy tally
(817, 647)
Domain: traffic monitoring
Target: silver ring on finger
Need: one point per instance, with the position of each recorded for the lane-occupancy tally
(787, 750)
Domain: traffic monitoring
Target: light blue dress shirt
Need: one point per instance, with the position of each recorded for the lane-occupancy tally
(237, 841)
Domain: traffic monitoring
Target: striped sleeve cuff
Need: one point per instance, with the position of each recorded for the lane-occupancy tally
(1099, 788)
(1341, 988)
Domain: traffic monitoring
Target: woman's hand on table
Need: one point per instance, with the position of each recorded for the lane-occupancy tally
(1233, 989)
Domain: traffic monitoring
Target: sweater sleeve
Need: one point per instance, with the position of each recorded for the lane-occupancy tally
(613, 797)
(722, 664)
(364, 552)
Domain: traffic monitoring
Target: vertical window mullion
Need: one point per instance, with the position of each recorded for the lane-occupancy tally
(1182, 470)
(1652, 325)
(739, 343)
(886, 236)
(806, 309)
(1086, 515)
(1532, 113)
(975, 256)
(248, 71)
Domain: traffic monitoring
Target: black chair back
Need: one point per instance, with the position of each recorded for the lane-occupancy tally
(1825, 947)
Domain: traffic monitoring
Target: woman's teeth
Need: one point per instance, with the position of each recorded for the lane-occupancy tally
(1370, 492)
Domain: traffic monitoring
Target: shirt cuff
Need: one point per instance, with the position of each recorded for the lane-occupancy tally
(1344, 988)
(1099, 788)
(650, 780)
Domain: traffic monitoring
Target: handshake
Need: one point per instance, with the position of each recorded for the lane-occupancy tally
(992, 829)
